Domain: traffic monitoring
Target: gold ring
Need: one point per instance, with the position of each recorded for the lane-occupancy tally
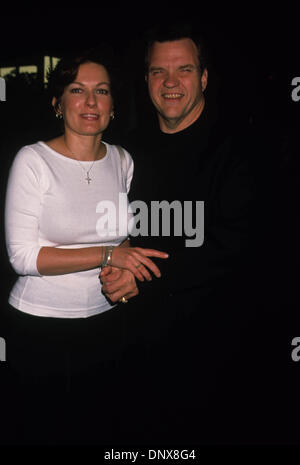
(140, 264)
(123, 300)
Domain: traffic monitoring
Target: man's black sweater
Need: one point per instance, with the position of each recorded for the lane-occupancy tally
(208, 161)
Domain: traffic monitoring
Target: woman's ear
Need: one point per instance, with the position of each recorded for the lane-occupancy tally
(56, 105)
(53, 102)
(57, 108)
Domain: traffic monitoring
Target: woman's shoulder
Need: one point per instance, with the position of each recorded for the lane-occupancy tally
(30, 157)
(118, 151)
(28, 152)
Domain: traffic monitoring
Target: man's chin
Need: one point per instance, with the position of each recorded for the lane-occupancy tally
(172, 120)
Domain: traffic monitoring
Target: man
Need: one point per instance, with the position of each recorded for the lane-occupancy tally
(191, 317)
(176, 83)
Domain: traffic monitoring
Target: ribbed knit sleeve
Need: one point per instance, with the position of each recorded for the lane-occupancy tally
(22, 206)
(128, 168)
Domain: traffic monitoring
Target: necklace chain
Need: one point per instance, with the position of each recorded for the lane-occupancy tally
(88, 179)
(87, 172)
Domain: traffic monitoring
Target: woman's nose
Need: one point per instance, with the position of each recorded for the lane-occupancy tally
(91, 99)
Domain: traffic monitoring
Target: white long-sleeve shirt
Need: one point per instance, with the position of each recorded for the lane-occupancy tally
(50, 203)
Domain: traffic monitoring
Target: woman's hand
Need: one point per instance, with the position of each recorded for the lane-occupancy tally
(135, 259)
(117, 283)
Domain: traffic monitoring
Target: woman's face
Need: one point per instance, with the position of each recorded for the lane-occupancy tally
(86, 103)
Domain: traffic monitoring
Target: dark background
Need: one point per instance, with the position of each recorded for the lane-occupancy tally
(254, 57)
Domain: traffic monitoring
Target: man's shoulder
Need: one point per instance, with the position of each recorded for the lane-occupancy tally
(130, 139)
(137, 138)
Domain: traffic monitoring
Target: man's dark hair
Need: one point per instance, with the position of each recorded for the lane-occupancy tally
(66, 70)
(172, 33)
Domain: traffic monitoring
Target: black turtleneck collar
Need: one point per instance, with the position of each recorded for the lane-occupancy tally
(202, 121)
(206, 120)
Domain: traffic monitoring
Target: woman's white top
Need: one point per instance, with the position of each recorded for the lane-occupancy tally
(50, 203)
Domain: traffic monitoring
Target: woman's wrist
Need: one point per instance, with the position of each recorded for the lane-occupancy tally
(125, 243)
(106, 258)
(102, 250)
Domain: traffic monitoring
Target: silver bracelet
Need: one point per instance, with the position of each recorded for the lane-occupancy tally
(107, 255)
(104, 257)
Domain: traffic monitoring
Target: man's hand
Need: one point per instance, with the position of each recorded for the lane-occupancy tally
(118, 283)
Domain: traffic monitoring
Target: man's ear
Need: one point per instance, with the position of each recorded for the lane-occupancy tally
(204, 79)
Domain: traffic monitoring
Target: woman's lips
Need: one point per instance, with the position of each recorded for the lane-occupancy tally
(90, 116)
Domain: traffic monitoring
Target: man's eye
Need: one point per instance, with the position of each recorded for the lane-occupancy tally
(76, 90)
(186, 70)
(156, 72)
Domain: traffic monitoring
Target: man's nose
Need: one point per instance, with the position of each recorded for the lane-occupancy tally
(171, 80)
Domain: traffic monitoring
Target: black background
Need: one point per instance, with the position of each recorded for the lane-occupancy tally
(254, 51)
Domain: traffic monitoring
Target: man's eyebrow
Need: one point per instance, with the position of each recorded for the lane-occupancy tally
(155, 68)
(188, 65)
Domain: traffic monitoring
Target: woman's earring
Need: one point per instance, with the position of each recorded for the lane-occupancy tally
(112, 116)
(58, 115)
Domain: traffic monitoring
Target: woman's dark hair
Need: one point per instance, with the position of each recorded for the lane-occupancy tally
(176, 31)
(66, 69)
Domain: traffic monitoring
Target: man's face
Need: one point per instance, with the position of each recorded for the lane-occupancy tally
(175, 83)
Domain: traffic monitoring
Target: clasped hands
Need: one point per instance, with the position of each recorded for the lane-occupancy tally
(128, 264)
(118, 283)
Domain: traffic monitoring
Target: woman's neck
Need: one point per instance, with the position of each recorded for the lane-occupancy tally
(84, 148)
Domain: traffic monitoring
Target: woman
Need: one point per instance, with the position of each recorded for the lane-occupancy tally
(58, 240)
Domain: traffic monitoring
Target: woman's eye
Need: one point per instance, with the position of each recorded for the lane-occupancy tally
(79, 90)
(103, 91)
